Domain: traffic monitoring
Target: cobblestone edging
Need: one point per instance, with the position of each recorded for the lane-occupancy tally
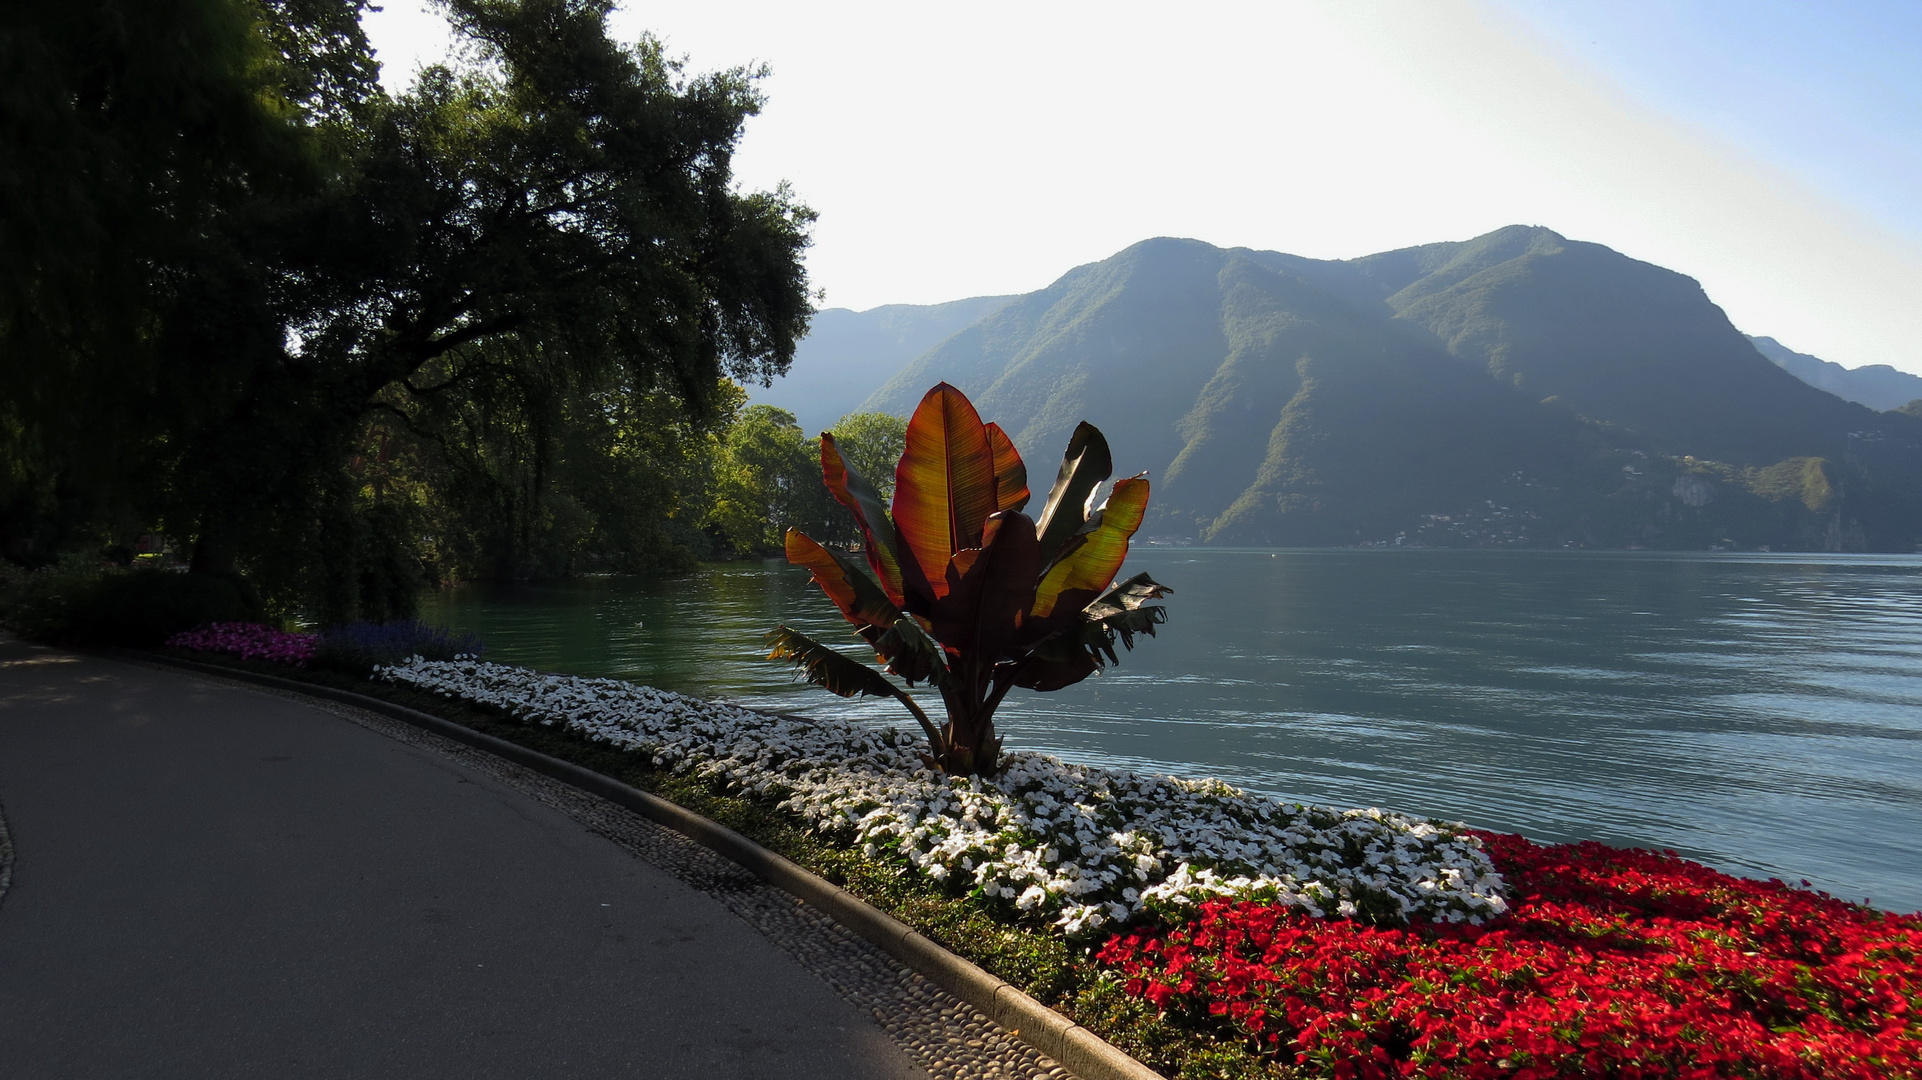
(6, 856)
(941, 1030)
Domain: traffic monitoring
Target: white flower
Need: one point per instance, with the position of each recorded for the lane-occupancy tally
(1090, 846)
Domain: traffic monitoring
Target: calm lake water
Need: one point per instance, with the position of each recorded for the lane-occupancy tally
(1761, 713)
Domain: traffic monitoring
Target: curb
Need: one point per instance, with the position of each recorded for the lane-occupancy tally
(1081, 1051)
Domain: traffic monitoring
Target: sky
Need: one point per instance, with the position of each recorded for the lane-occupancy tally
(1771, 150)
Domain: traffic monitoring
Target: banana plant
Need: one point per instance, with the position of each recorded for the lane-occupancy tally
(956, 587)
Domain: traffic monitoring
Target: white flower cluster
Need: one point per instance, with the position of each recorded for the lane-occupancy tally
(1084, 847)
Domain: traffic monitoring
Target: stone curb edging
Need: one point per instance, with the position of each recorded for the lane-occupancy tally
(1081, 1051)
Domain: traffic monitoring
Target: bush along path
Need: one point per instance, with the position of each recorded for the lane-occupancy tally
(1215, 934)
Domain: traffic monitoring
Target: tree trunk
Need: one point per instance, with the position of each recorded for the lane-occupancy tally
(973, 749)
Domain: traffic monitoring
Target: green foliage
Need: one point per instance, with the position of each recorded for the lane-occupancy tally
(767, 480)
(236, 269)
(79, 602)
(1805, 479)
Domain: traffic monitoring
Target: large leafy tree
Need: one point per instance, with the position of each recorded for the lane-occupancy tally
(510, 241)
(959, 588)
(133, 134)
(766, 481)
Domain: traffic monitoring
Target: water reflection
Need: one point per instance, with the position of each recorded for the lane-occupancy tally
(1763, 713)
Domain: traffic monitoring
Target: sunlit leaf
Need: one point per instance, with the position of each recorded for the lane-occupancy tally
(1010, 473)
(1087, 562)
(944, 488)
(860, 598)
(853, 491)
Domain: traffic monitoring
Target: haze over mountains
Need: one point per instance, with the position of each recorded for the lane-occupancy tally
(1878, 386)
(1519, 388)
(847, 354)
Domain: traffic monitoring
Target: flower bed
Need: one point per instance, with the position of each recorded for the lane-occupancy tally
(249, 641)
(359, 647)
(1612, 963)
(1082, 848)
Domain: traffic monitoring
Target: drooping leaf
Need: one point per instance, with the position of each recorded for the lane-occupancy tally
(1010, 473)
(861, 599)
(1053, 664)
(1087, 562)
(908, 651)
(825, 668)
(1125, 623)
(990, 589)
(1086, 645)
(1127, 596)
(853, 491)
(838, 674)
(1083, 467)
(944, 488)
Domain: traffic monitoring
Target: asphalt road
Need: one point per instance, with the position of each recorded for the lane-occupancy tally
(213, 882)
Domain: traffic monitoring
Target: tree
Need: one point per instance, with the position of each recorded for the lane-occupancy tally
(765, 481)
(964, 591)
(134, 132)
(506, 243)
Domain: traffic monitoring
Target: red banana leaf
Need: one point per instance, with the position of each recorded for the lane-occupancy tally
(1010, 475)
(944, 487)
(862, 602)
(853, 491)
(989, 591)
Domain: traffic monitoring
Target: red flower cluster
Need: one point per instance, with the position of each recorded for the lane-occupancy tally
(1611, 963)
(249, 641)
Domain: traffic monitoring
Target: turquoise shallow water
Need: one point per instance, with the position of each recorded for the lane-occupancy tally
(1762, 713)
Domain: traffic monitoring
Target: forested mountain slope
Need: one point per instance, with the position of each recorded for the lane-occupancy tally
(1516, 388)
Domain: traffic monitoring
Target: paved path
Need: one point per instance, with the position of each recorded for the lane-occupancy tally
(215, 882)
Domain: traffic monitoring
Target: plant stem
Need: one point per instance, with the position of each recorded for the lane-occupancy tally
(934, 734)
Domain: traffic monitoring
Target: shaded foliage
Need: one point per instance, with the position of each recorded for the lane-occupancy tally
(319, 334)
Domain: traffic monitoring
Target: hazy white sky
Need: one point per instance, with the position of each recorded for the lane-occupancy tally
(1771, 150)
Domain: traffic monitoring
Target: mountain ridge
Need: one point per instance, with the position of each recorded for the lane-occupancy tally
(1595, 398)
(1877, 386)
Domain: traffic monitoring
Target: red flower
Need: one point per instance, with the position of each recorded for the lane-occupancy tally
(1611, 963)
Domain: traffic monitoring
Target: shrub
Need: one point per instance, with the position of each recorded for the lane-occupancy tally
(78, 602)
(964, 591)
(249, 641)
(359, 647)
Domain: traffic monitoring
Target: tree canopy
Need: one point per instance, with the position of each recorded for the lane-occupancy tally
(252, 301)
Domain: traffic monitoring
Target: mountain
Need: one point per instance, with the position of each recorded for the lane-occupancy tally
(1517, 388)
(846, 354)
(1878, 386)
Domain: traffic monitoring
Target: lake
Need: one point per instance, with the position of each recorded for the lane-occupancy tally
(1761, 713)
